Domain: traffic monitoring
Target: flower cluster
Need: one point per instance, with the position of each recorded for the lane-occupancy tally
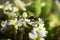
(39, 31)
(19, 21)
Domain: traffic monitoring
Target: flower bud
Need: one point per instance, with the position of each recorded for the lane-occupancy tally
(24, 15)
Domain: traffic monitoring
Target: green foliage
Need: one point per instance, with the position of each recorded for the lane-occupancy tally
(36, 7)
(48, 6)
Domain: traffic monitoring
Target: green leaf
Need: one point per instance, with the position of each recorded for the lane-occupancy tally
(36, 7)
(47, 7)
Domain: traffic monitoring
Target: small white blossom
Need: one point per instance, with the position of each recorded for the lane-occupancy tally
(39, 32)
(23, 22)
(8, 6)
(13, 22)
(20, 4)
(42, 31)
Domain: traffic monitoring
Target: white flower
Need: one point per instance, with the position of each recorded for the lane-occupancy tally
(23, 22)
(35, 35)
(13, 22)
(41, 31)
(8, 6)
(38, 32)
(20, 4)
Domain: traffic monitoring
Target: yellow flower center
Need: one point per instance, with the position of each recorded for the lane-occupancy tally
(37, 38)
(39, 28)
(15, 22)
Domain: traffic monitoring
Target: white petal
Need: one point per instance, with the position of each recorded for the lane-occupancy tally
(31, 35)
(19, 24)
(41, 25)
(27, 20)
(42, 33)
(39, 19)
(41, 38)
(34, 31)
